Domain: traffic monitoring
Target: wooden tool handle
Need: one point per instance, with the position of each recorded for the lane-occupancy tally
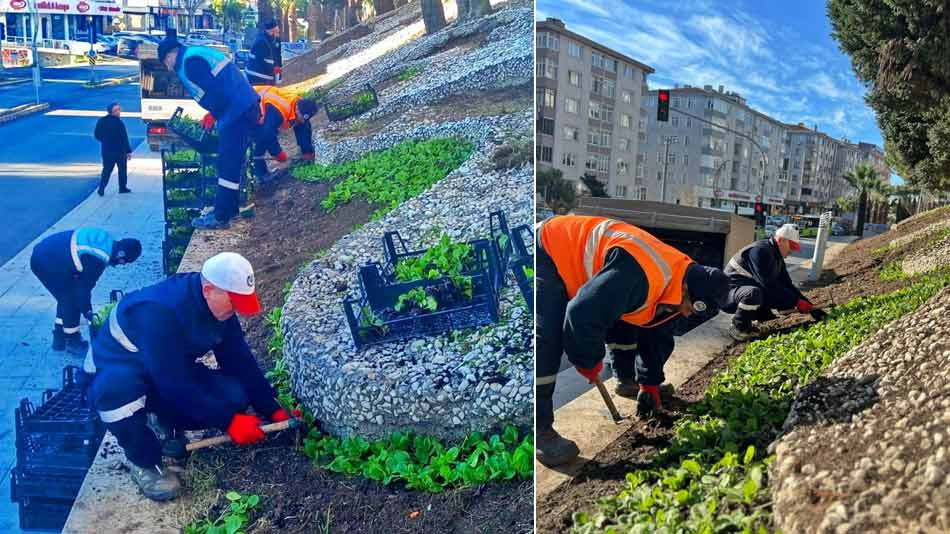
(607, 400)
(217, 440)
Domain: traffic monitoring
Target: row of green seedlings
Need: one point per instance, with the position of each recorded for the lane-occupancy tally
(713, 476)
(422, 463)
(231, 521)
(389, 177)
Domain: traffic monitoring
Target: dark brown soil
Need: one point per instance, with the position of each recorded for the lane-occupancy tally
(853, 273)
(297, 497)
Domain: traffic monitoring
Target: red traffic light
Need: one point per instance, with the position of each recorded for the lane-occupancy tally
(664, 95)
(758, 207)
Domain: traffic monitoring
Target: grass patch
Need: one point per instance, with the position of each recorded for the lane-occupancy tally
(892, 272)
(389, 177)
(713, 476)
(809, 232)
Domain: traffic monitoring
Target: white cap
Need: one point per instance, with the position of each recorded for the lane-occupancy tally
(789, 233)
(233, 273)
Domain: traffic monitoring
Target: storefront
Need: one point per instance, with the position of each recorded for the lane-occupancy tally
(58, 20)
(740, 202)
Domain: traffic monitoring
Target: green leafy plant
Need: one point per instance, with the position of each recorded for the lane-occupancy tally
(232, 521)
(180, 232)
(711, 478)
(892, 272)
(809, 232)
(419, 297)
(528, 271)
(182, 156)
(181, 195)
(389, 177)
(445, 259)
(101, 316)
(409, 74)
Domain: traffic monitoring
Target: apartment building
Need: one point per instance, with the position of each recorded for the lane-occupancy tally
(811, 155)
(589, 117)
(714, 152)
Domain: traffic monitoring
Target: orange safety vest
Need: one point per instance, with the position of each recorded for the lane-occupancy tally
(578, 246)
(284, 101)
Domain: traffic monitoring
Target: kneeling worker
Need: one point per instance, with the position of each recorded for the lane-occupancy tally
(145, 362)
(69, 264)
(600, 281)
(759, 282)
(280, 110)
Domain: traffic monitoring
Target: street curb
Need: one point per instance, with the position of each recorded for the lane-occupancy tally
(13, 81)
(22, 111)
(112, 81)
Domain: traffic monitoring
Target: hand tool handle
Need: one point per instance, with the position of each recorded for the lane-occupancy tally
(607, 400)
(217, 440)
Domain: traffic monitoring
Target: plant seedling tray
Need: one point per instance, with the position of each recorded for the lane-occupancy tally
(25, 484)
(203, 141)
(353, 108)
(524, 258)
(37, 513)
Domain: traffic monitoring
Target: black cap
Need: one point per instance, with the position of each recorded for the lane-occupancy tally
(270, 25)
(707, 284)
(126, 250)
(167, 45)
(306, 108)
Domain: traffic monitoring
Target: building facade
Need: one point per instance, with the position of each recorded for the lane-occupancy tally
(58, 21)
(589, 117)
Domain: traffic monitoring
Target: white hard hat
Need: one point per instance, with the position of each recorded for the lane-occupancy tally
(789, 233)
(233, 273)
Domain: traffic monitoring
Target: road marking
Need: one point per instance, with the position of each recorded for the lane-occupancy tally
(52, 80)
(89, 113)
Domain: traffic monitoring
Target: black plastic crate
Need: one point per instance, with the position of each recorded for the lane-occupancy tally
(26, 484)
(203, 141)
(37, 513)
(169, 164)
(523, 240)
(340, 112)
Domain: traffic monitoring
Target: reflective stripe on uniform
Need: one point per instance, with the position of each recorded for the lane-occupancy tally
(259, 75)
(622, 346)
(749, 307)
(70, 330)
(786, 312)
(118, 334)
(227, 184)
(199, 93)
(59, 321)
(734, 265)
(271, 61)
(545, 380)
(88, 365)
(219, 67)
(122, 412)
(590, 249)
(74, 252)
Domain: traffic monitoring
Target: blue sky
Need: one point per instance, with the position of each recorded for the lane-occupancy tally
(778, 55)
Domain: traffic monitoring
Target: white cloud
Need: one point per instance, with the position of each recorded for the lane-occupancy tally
(588, 6)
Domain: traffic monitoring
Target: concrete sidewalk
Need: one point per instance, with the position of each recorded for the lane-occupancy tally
(27, 310)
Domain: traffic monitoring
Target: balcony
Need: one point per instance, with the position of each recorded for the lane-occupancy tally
(710, 151)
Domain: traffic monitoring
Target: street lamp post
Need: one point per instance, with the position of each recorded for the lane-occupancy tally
(34, 13)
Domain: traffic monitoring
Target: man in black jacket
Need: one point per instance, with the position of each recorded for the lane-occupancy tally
(759, 283)
(110, 132)
(264, 65)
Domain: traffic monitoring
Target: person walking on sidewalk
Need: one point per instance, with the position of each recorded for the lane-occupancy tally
(602, 282)
(759, 283)
(116, 151)
(265, 66)
(69, 264)
(145, 362)
(219, 87)
(281, 110)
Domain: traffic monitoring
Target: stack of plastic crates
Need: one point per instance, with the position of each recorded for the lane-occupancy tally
(55, 445)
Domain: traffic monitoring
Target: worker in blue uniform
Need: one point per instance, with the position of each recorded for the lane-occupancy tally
(69, 264)
(221, 89)
(145, 362)
(265, 65)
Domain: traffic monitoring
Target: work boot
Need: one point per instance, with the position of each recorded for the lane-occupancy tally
(155, 484)
(743, 334)
(125, 190)
(174, 445)
(552, 449)
(648, 401)
(76, 345)
(59, 339)
(210, 222)
(627, 387)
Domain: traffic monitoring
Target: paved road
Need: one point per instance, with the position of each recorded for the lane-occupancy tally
(50, 163)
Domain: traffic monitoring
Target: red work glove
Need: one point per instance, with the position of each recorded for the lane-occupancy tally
(207, 122)
(278, 71)
(591, 374)
(245, 429)
(281, 415)
(804, 306)
(654, 391)
(307, 156)
(282, 157)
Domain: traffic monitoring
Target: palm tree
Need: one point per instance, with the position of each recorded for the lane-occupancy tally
(879, 193)
(863, 178)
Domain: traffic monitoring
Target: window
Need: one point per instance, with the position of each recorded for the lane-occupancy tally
(675, 122)
(659, 156)
(676, 102)
(603, 62)
(686, 139)
(547, 68)
(627, 97)
(569, 160)
(546, 126)
(689, 103)
(603, 87)
(621, 191)
(689, 122)
(622, 167)
(639, 170)
(549, 98)
(659, 175)
(570, 133)
(643, 193)
(547, 40)
(599, 138)
(642, 137)
(624, 143)
(672, 159)
(545, 153)
(573, 77)
(642, 125)
(628, 71)
(570, 105)
(573, 49)
(685, 160)
(601, 112)
(625, 120)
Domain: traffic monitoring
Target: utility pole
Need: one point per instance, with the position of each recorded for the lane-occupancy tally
(34, 12)
(668, 140)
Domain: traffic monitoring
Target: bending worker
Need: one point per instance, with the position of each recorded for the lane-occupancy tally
(145, 362)
(219, 87)
(281, 110)
(600, 281)
(759, 283)
(69, 264)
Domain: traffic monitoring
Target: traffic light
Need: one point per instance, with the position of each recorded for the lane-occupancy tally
(663, 105)
(759, 214)
(758, 207)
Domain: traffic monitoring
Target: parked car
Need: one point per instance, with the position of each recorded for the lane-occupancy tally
(108, 42)
(201, 39)
(837, 229)
(770, 230)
